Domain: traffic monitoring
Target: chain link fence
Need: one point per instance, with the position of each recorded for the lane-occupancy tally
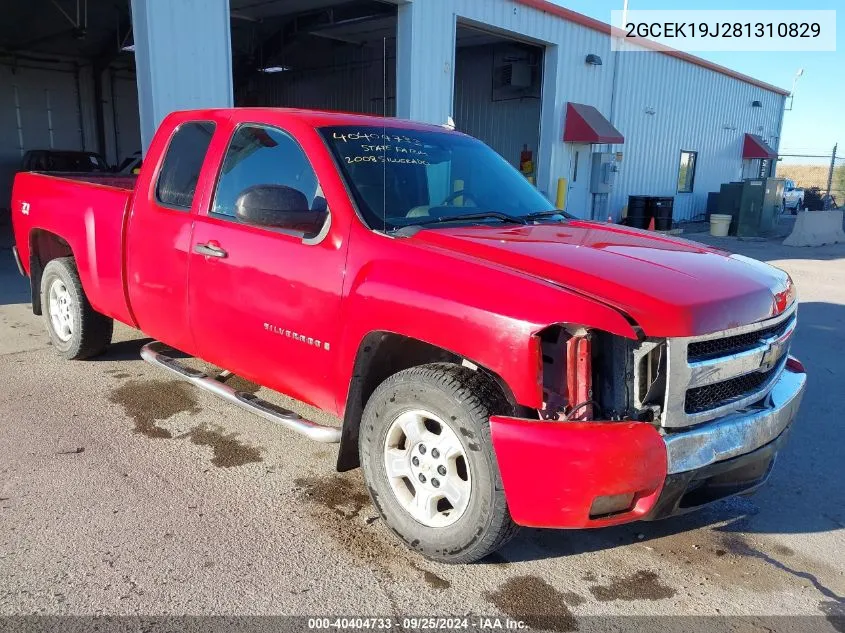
(821, 176)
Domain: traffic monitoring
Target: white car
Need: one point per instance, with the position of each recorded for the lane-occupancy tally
(793, 197)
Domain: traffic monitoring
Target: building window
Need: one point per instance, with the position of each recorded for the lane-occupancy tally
(686, 171)
(180, 171)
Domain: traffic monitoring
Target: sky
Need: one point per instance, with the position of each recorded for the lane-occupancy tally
(817, 119)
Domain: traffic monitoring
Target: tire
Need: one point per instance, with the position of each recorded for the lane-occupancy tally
(77, 331)
(459, 402)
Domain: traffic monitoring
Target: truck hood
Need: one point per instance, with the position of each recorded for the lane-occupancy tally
(668, 286)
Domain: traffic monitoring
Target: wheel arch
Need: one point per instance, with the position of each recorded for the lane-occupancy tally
(380, 355)
(44, 246)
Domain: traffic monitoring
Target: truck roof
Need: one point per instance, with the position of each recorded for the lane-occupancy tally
(315, 118)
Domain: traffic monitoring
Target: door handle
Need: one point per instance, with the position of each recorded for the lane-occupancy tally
(210, 249)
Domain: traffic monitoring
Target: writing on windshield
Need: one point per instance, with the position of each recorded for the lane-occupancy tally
(400, 177)
(375, 147)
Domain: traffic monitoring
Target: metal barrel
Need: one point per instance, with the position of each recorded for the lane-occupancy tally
(662, 209)
(639, 212)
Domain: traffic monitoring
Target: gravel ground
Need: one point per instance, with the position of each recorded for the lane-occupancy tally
(123, 492)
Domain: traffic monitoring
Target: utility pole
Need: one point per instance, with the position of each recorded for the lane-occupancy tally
(832, 166)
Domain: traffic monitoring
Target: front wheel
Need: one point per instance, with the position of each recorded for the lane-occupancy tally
(76, 330)
(429, 464)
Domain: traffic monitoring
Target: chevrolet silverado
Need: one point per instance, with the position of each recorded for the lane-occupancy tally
(495, 361)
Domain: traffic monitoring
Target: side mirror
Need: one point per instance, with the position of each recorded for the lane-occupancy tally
(278, 206)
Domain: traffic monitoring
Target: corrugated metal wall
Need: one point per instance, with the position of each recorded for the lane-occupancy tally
(425, 60)
(566, 77)
(662, 104)
(56, 105)
(505, 125)
(121, 116)
(42, 106)
(665, 105)
(329, 75)
(694, 108)
(183, 57)
(574, 80)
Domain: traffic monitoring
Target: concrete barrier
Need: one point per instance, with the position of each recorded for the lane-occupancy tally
(815, 228)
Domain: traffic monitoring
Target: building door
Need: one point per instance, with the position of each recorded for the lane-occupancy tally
(578, 201)
(497, 93)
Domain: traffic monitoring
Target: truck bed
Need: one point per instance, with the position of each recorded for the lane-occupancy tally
(84, 214)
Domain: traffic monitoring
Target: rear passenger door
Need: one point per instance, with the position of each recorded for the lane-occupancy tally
(265, 301)
(159, 237)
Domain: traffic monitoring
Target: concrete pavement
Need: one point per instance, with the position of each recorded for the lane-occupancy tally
(125, 492)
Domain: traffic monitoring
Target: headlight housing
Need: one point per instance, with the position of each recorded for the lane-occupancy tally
(593, 375)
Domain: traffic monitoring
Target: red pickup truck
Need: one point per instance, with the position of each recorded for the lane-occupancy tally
(495, 361)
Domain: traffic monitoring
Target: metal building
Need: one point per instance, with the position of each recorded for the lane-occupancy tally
(525, 76)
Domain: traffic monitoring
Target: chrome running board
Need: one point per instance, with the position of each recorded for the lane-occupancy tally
(154, 354)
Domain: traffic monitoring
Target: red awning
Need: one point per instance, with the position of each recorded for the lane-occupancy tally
(755, 147)
(585, 124)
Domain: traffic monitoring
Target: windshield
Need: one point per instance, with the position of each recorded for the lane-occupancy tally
(401, 177)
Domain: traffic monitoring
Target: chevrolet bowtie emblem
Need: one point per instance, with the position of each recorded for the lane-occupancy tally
(775, 351)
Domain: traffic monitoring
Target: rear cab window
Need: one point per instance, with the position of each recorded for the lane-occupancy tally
(180, 169)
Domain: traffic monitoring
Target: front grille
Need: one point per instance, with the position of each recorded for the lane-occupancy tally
(702, 350)
(715, 374)
(721, 393)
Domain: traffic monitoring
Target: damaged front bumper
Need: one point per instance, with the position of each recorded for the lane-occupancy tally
(561, 474)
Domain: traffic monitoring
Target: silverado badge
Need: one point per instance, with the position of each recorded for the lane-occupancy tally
(296, 336)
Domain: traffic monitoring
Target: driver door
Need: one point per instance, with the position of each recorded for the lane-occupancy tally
(264, 302)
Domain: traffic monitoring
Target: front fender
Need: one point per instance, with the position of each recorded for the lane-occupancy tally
(486, 314)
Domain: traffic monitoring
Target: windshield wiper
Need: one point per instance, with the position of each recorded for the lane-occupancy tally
(481, 215)
(537, 215)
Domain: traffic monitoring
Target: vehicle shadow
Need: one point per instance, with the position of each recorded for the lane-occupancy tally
(123, 350)
(804, 494)
(536, 544)
(14, 288)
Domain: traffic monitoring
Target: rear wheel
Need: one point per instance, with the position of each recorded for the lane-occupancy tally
(76, 330)
(429, 463)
